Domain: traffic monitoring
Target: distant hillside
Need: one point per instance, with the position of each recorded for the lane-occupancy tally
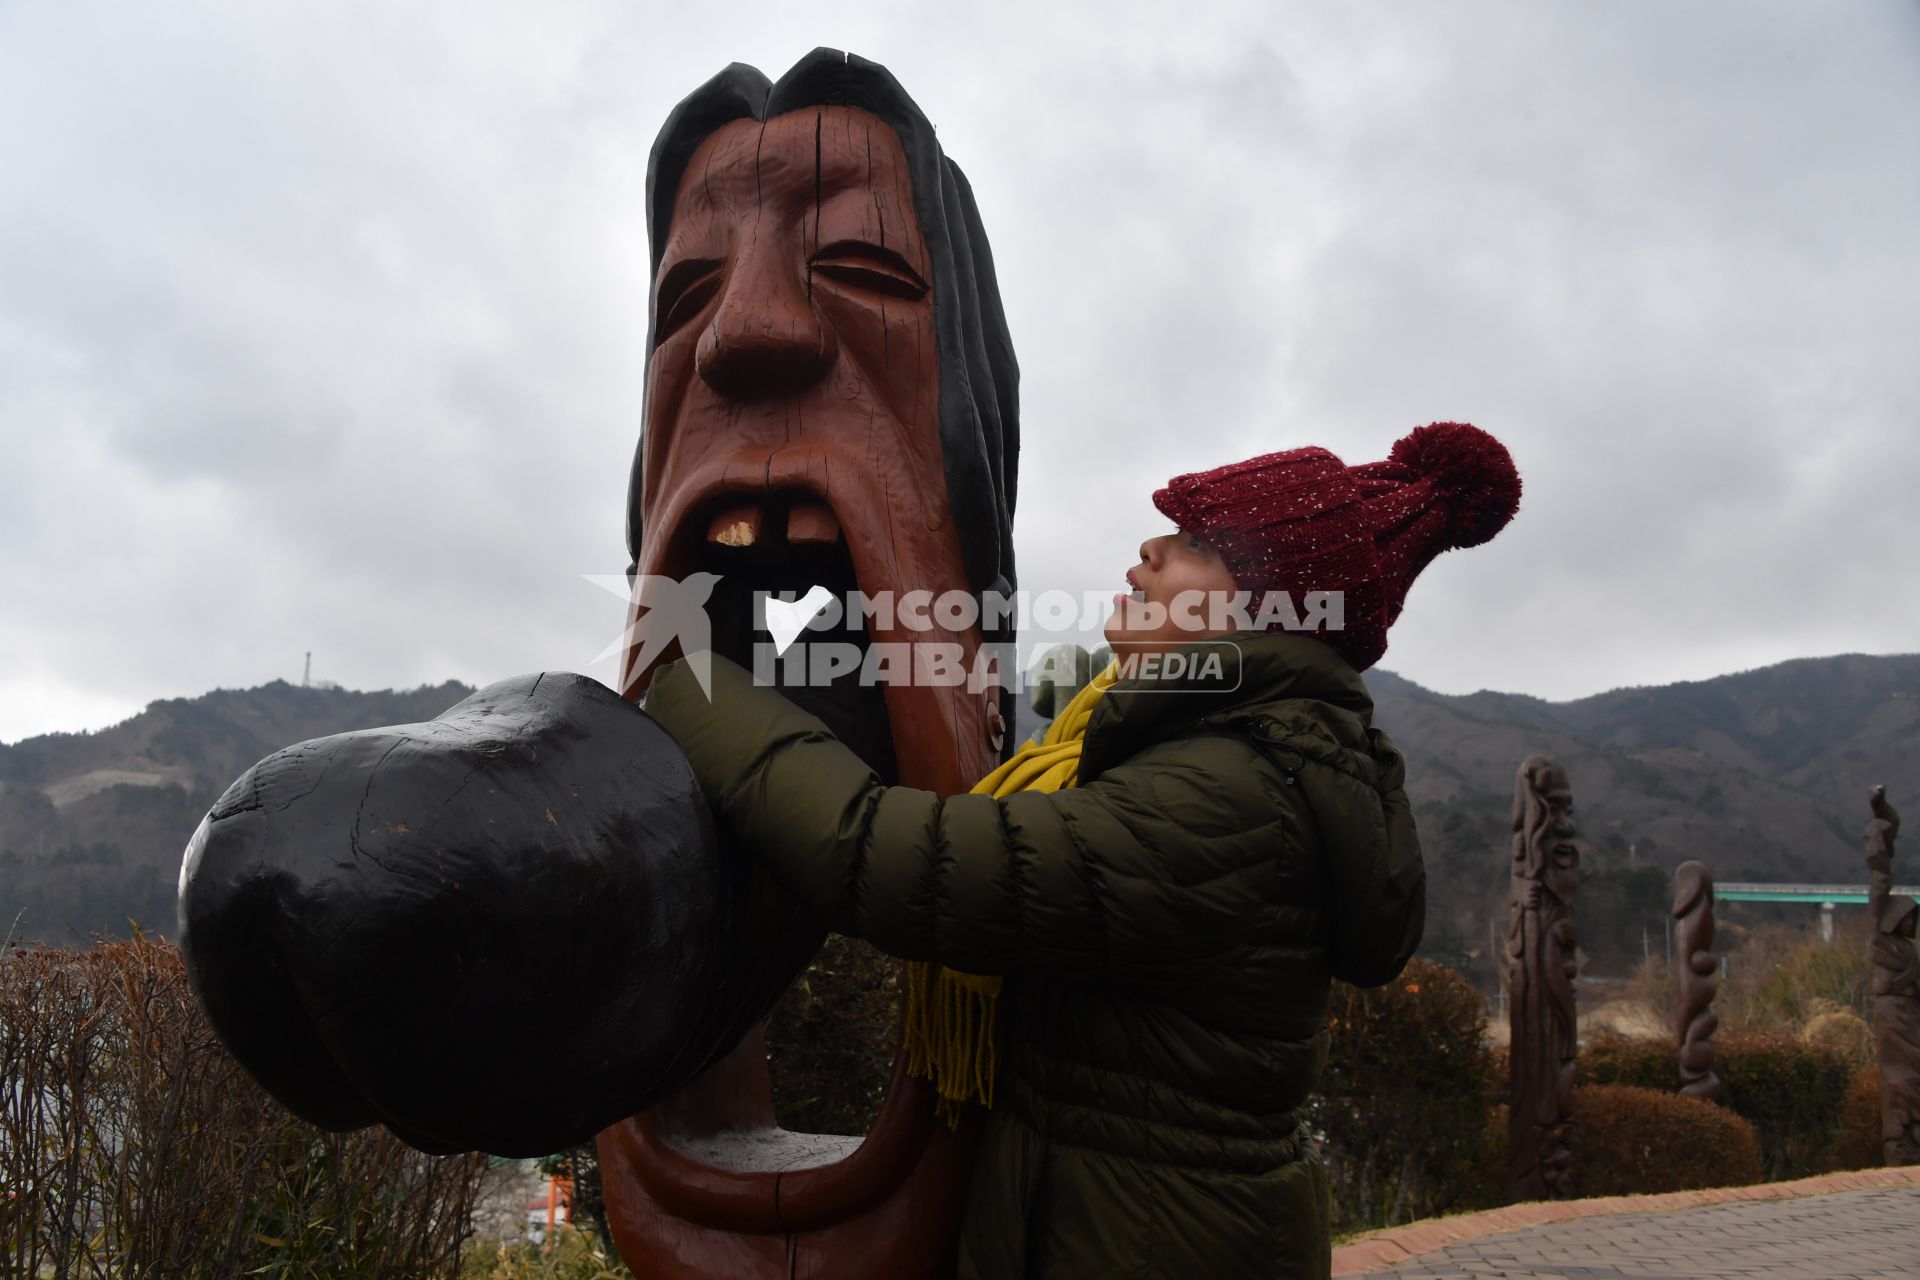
(92, 825)
(1763, 775)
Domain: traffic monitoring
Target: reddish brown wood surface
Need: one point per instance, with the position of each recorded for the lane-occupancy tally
(1695, 971)
(1896, 990)
(797, 370)
(889, 1209)
(799, 362)
(1540, 972)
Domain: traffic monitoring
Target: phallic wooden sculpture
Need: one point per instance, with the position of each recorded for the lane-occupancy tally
(356, 914)
(1541, 966)
(1693, 945)
(1896, 990)
(830, 400)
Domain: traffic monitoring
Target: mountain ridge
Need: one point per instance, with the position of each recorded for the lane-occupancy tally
(1761, 773)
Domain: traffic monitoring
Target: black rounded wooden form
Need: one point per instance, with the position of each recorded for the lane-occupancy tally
(501, 930)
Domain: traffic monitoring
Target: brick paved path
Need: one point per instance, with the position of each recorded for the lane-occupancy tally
(1847, 1227)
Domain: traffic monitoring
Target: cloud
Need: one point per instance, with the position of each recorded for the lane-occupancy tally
(321, 326)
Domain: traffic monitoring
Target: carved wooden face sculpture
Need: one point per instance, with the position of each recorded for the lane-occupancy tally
(793, 431)
(829, 402)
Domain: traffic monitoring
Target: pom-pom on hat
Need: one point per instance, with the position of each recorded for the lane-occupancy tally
(1302, 521)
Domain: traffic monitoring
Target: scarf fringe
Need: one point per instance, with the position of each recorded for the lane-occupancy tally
(950, 1038)
(950, 1028)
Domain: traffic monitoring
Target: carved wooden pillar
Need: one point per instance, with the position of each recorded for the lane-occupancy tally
(1693, 946)
(1540, 970)
(831, 399)
(1896, 990)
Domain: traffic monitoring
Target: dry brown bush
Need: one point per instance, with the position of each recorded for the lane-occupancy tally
(1778, 976)
(1403, 1104)
(1633, 1141)
(1845, 1033)
(133, 1145)
(832, 1038)
(1856, 1144)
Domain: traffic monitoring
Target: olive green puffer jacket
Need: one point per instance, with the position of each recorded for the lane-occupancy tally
(1168, 928)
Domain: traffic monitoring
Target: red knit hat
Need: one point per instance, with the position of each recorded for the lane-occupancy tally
(1303, 521)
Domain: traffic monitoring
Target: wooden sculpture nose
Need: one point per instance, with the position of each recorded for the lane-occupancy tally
(765, 338)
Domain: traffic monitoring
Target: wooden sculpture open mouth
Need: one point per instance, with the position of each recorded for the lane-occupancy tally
(809, 511)
(774, 544)
(783, 544)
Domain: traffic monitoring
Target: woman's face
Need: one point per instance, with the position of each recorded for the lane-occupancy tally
(1176, 586)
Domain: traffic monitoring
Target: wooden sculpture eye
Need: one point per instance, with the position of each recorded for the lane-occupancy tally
(685, 289)
(870, 267)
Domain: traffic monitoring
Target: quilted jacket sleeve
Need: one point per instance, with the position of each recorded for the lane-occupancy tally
(1157, 869)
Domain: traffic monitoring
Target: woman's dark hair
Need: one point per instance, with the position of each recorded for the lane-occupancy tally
(979, 378)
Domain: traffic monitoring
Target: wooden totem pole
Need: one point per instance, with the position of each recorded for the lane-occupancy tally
(1540, 970)
(1896, 990)
(831, 399)
(1693, 945)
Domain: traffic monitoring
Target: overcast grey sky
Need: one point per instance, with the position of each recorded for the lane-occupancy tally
(321, 324)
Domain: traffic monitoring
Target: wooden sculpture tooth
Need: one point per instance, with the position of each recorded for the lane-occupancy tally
(813, 523)
(737, 525)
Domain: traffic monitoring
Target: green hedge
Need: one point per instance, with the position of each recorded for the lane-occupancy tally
(1608, 1058)
(1792, 1091)
(1858, 1145)
(1403, 1104)
(1631, 1141)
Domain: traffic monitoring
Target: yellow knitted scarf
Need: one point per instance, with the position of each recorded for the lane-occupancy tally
(949, 1015)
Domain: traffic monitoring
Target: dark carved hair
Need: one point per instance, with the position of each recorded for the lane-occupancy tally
(979, 378)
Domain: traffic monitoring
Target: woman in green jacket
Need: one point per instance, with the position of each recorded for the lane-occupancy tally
(1174, 886)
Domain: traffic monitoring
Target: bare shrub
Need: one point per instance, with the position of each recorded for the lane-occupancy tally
(572, 1253)
(1843, 1031)
(133, 1145)
(1779, 977)
(832, 1038)
(1651, 987)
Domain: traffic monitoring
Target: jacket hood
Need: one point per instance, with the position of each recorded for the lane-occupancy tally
(1234, 676)
(1307, 710)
